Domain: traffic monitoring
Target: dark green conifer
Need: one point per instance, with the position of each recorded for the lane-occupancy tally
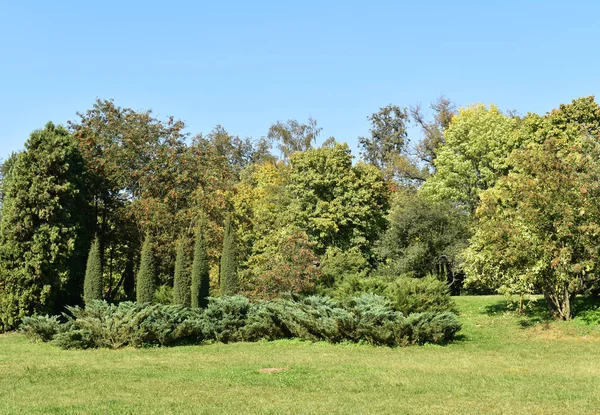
(229, 279)
(92, 284)
(182, 280)
(146, 277)
(200, 272)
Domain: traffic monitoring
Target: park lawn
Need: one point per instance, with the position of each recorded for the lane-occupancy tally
(502, 363)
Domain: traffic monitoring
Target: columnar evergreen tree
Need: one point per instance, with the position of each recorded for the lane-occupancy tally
(183, 280)
(44, 227)
(146, 273)
(229, 278)
(200, 272)
(92, 286)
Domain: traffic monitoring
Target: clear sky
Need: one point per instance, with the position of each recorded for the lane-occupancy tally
(247, 64)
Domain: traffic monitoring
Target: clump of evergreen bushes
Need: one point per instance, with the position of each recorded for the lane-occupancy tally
(406, 294)
(368, 318)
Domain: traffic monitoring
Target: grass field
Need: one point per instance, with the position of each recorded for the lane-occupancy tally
(502, 363)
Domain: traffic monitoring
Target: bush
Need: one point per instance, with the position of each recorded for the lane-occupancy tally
(432, 327)
(163, 295)
(368, 318)
(418, 295)
(42, 328)
(225, 317)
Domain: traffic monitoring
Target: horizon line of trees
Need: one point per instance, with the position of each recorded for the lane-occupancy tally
(485, 200)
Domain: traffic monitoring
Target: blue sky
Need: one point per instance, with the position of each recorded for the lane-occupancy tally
(245, 65)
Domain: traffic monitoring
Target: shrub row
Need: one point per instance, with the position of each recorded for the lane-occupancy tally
(368, 318)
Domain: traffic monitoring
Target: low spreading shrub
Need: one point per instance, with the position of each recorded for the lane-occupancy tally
(40, 328)
(419, 295)
(406, 294)
(368, 318)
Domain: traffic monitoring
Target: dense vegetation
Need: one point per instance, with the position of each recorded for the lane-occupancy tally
(486, 200)
(369, 318)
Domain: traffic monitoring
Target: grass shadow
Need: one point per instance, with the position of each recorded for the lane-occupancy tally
(533, 312)
(536, 311)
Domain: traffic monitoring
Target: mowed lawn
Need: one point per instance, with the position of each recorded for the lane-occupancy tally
(502, 363)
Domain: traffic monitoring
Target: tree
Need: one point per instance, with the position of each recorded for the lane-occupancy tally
(137, 175)
(182, 281)
(289, 265)
(433, 131)
(387, 146)
(475, 154)
(44, 234)
(336, 203)
(293, 136)
(93, 285)
(146, 274)
(539, 226)
(200, 271)
(425, 237)
(229, 277)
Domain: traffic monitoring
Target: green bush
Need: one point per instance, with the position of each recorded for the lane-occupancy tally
(432, 327)
(418, 295)
(367, 318)
(42, 328)
(163, 295)
(225, 317)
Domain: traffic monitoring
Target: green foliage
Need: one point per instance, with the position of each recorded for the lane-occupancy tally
(163, 295)
(229, 277)
(44, 232)
(289, 266)
(338, 204)
(200, 289)
(539, 227)
(182, 281)
(93, 286)
(40, 328)
(339, 266)
(478, 142)
(433, 131)
(225, 318)
(293, 137)
(146, 274)
(387, 147)
(405, 294)
(424, 237)
(130, 324)
(367, 318)
(418, 295)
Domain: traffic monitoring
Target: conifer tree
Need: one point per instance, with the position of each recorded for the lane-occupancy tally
(229, 279)
(200, 272)
(92, 285)
(146, 277)
(44, 230)
(183, 280)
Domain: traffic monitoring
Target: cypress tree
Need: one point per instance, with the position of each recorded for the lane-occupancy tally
(229, 280)
(92, 284)
(183, 280)
(145, 277)
(200, 272)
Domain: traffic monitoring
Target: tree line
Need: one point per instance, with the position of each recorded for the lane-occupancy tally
(484, 200)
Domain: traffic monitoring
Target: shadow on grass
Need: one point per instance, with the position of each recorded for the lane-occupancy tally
(536, 311)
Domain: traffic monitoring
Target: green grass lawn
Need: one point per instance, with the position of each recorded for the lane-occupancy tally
(502, 363)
